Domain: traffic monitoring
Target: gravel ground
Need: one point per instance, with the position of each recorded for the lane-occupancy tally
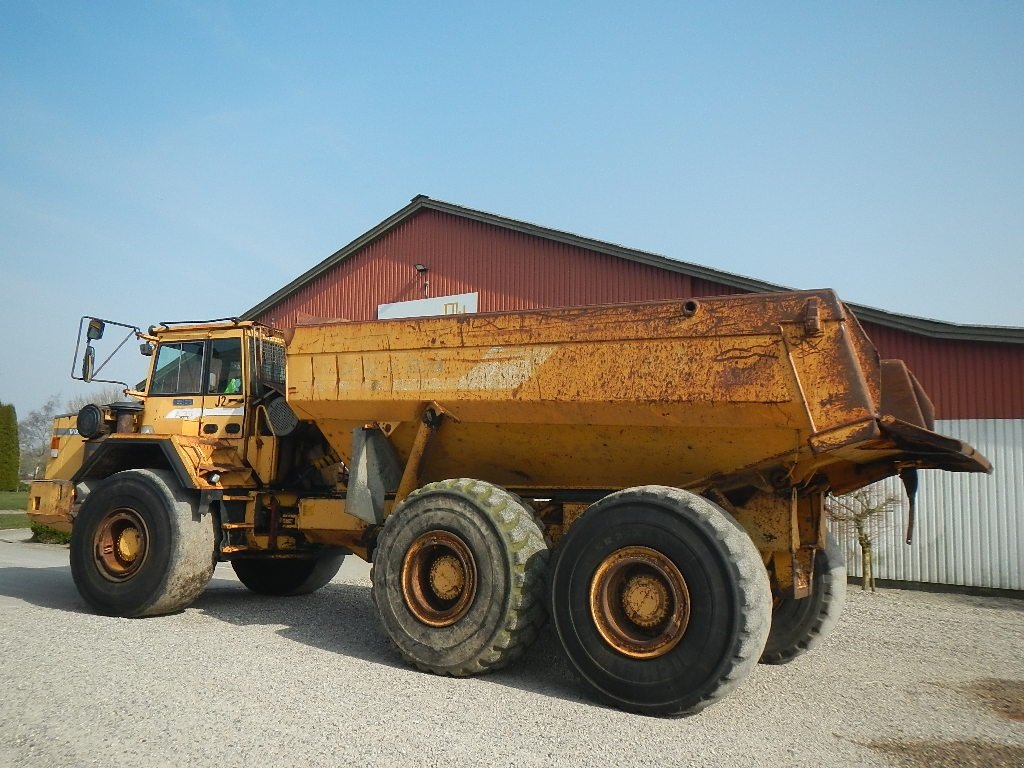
(907, 679)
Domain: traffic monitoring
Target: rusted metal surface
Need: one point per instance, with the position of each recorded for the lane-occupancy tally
(787, 531)
(121, 544)
(429, 422)
(51, 503)
(325, 521)
(438, 578)
(212, 463)
(610, 397)
(639, 602)
(903, 397)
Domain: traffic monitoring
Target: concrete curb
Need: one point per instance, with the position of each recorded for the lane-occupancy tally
(16, 535)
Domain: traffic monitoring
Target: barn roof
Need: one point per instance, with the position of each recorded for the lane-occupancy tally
(918, 325)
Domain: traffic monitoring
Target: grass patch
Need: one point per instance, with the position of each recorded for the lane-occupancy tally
(14, 500)
(44, 534)
(16, 520)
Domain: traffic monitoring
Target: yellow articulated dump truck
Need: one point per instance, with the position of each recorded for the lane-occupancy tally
(650, 476)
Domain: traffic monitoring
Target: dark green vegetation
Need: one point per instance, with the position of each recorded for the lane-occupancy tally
(10, 455)
(43, 534)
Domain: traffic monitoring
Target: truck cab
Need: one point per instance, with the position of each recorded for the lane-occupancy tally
(201, 413)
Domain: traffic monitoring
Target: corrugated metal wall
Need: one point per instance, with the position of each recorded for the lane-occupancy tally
(970, 528)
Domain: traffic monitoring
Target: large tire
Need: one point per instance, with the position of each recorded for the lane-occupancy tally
(458, 577)
(286, 578)
(799, 625)
(660, 600)
(139, 546)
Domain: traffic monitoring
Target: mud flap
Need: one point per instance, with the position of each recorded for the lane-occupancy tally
(909, 478)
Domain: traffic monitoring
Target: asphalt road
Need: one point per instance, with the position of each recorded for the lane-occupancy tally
(908, 678)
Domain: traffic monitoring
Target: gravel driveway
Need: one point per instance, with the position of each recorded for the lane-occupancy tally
(907, 679)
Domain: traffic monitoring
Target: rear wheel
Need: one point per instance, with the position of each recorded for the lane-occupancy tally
(139, 546)
(799, 626)
(458, 577)
(285, 578)
(660, 600)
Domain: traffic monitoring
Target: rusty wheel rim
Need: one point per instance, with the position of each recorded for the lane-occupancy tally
(639, 602)
(121, 544)
(438, 578)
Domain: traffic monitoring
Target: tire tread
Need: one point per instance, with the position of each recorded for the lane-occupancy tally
(750, 577)
(523, 536)
(831, 580)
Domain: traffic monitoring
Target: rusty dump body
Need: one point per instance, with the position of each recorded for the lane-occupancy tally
(739, 393)
(652, 477)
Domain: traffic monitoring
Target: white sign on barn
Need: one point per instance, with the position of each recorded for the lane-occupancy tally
(457, 304)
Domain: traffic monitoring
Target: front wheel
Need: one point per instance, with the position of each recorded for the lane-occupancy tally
(139, 546)
(660, 600)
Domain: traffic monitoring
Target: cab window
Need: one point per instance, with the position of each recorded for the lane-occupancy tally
(178, 369)
(225, 367)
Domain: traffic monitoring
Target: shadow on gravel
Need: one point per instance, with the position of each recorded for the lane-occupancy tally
(338, 618)
(45, 587)
(341, 618)
(988, 601)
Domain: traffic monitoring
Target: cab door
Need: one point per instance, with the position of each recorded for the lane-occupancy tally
(174, 398)
(225, 389)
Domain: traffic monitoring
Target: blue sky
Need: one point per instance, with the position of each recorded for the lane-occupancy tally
(184, 160)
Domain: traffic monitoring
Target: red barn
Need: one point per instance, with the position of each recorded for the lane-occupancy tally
(431, 257)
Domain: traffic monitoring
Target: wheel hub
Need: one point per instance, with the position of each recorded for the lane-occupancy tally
(438, 578)
(121, 544)
(129, 544)
(645, 600)
(639, 602)
(447, 578)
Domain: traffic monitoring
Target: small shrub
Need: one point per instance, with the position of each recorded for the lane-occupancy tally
(44, 534)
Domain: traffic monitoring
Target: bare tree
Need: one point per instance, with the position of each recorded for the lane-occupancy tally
(34, 436)
(35, 428)
(112, 393)
(867, 511)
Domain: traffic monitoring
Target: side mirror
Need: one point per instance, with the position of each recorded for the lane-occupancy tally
(88, 363)
(96, 328)
(147, 348)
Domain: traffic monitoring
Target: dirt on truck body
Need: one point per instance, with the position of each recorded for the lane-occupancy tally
(650, 476)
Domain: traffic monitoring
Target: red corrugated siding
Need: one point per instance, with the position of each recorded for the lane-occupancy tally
(512, 270)
(509, 270)
(965, 379)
